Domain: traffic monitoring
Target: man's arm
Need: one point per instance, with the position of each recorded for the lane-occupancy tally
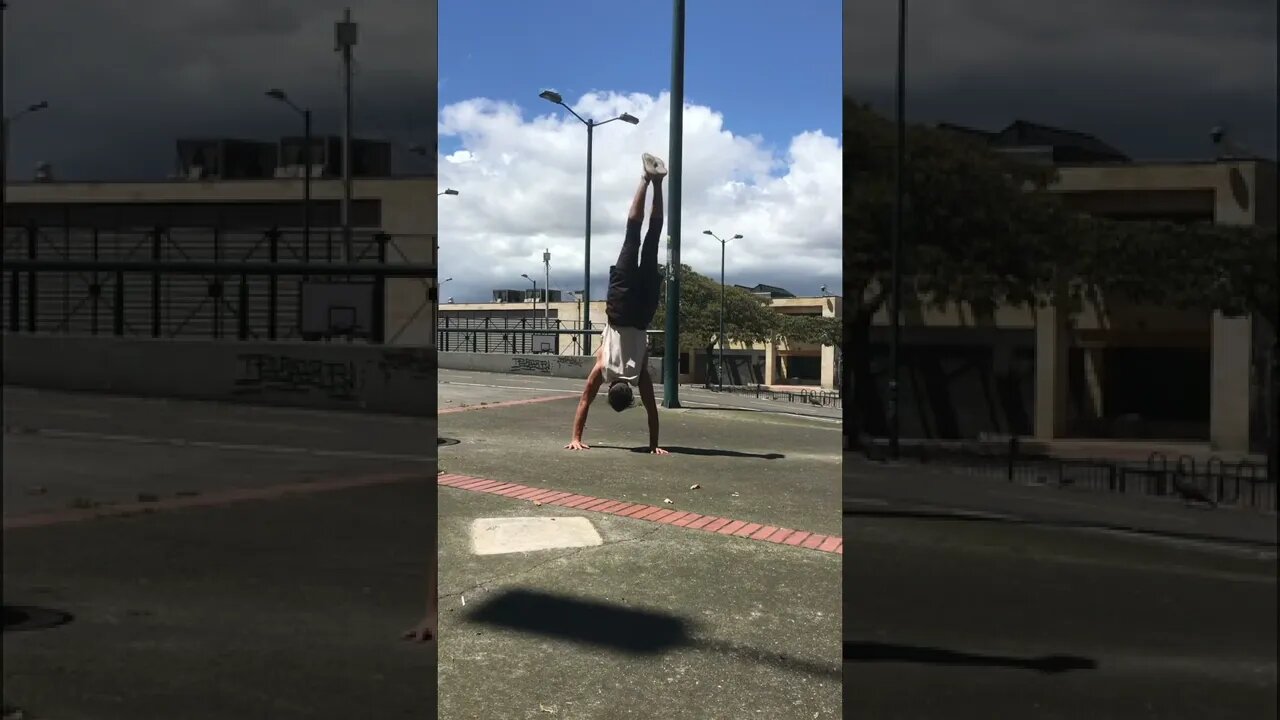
(651, 408)
(426, 630)
(594, 381)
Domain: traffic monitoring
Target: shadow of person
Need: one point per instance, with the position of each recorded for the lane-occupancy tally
(886, 652)
(613, 626)
(702, 452)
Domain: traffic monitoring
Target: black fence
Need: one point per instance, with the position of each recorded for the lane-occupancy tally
(170, 283)
(1238, 483)
(818, 397)
(516, 336)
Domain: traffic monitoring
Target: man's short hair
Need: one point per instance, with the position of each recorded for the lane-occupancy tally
(620, 396)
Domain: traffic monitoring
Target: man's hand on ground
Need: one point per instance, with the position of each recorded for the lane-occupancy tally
(658, 451)
(577, 445)
(426, 630)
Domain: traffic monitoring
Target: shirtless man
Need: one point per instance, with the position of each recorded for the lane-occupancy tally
(622, 360)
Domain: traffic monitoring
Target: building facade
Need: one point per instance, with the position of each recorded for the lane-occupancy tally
(1112, 370)
(210, 218)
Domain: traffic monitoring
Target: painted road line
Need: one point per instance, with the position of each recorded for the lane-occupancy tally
(743, 529)
(213, 499)
(210, 445)
(506, 403)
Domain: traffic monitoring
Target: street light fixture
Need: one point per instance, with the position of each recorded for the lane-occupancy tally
(5, 122)
(555, 97)
(723, 242)
(535, 292)
(280, 95)
(447, 191)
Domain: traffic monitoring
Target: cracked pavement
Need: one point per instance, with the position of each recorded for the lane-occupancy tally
(658, 621)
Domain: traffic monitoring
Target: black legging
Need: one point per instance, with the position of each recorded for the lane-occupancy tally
(634, 281)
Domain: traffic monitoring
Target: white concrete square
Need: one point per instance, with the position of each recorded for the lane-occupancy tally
(501, 535)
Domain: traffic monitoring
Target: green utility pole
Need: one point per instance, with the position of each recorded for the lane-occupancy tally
(671, 338)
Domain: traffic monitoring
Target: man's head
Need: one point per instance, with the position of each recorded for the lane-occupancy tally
(620, 395)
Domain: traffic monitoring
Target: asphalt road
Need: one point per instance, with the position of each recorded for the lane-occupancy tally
(974, 599)
(214, 561)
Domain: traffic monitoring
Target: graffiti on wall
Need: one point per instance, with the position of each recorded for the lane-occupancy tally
(262, 373)
(576, 361)
(416, 364)
(530, 365)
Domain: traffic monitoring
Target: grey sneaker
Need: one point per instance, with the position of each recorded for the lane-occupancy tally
(653, 166)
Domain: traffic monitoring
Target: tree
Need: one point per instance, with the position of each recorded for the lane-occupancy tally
(985, 230)
(978, 228)
(748, 319)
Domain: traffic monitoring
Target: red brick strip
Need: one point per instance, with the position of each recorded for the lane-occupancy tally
(649, 513)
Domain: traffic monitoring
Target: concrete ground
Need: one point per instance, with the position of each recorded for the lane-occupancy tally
(659, 620)
(246, 560)
(968, 598)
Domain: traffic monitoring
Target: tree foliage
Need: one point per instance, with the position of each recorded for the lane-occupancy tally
(984, 229)
(748, 319)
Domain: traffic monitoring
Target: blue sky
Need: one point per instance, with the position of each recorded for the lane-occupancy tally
(772, 68)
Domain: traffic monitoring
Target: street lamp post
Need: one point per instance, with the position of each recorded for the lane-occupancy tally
(278, 94)
(899, 151)
(5, 123)
(723, 243)
(439, 287)
(554, 97)
(535, 294)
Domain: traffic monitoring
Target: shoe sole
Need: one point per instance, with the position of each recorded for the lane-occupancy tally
(654, 166)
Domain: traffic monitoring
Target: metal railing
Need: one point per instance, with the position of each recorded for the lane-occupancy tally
(1240, 483)
(523, 336)
(820, 398)
(161, 296)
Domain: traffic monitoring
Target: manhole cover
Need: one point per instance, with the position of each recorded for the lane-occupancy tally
(18, 618)
(445, 441)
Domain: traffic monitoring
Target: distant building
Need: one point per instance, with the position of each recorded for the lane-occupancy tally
(1104, 372)
(224, 197)
(519, 322)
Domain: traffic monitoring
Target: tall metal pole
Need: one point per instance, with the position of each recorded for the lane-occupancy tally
(900, 150)
(346, 35)
(671, 338)
(546, 289)
(4, 129)
(306, 186)
(723, 244)
(586, 272)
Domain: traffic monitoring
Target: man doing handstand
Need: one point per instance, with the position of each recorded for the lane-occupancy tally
(622, 360)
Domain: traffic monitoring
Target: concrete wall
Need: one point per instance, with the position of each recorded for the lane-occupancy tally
(566, 366)
(382, 379)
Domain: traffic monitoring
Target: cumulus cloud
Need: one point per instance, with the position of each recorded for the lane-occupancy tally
(522, 185)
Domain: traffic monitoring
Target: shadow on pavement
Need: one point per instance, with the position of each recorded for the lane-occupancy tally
(928, 515)
(885, 652)
(704, 452)
(619, 628)
(19, 618)
(592, 623)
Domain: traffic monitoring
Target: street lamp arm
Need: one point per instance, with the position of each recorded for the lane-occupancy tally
(584, 122)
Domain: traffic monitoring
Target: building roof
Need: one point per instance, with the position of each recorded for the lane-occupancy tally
(1066, 146)
(772, 291)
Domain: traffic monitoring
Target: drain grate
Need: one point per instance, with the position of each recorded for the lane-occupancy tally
(445, 441)
(18, 618)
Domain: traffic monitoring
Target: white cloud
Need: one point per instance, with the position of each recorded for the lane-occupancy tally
(522, 186)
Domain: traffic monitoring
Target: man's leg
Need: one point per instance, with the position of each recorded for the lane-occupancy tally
(629, 256)
(622, 281)
(649, 281)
